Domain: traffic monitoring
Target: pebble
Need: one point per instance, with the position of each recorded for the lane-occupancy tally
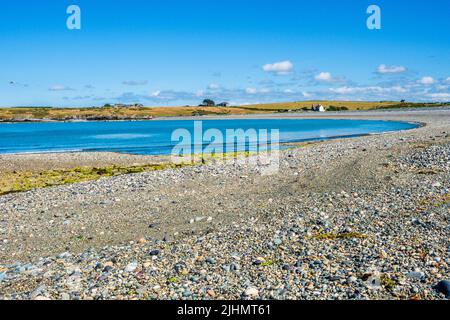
(131, 267)
(306, 243)
(251, 292)
(443, 287)
(415, 275)
(154, 252)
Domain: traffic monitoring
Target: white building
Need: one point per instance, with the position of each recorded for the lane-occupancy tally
(318, 108)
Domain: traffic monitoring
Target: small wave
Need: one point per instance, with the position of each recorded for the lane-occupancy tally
(38, 151)
(120, 136)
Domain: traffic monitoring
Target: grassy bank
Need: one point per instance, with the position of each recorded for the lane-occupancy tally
(20, 181)
(12, 182)
(111, 113)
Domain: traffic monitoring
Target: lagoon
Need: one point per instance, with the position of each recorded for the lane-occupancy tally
(154, 137)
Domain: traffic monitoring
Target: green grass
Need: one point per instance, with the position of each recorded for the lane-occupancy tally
(21, 113)
(12, 182)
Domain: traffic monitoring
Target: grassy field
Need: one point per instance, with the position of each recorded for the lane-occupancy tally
(110, 113)
(344, 105)
(114, 113)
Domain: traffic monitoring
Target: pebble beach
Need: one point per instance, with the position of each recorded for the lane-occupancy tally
(358, 218)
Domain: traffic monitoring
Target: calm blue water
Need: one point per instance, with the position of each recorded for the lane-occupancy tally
(154, 137)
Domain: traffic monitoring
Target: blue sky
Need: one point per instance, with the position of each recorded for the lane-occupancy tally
(177, 52)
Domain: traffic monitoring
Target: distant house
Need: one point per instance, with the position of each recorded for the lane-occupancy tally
(318, 108)
(223, 104)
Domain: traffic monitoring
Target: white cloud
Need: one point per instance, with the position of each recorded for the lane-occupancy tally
(200, 93)
(214, 86)
(447, 80)
(306, 94)
(439, 96)
(426, 80)
(324, 76)
(280, 68)
(135, 82)
(383, 69)
(59, 87)
(155, 93)
(369, 89)
(251, 90)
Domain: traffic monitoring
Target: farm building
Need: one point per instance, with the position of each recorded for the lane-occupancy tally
(318, 108)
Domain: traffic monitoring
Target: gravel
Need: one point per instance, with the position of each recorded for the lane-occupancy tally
(361, 218)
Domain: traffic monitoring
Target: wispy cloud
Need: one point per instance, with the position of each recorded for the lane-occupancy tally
(369, 89)
(213, 86)
(60, 87)
(251, 90)
(88, 97)
(439, 96)
(155, 94)
(384, 69)
(135, 82)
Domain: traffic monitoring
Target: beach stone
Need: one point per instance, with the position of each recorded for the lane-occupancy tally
(131, 267)
(251, 292)
(415, 275)
(109, 264)
(65, 296)
(374, 283)
(226, 268)
(299, 228)
(443, 287)
(154, 252)
(41, 298)
(107, 269)
(37, 292)
(277, 242)
(258, 261)
(235, 267)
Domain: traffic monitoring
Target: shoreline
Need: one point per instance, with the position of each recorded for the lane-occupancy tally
(337, 215)
(317, 140)
(265, 115)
